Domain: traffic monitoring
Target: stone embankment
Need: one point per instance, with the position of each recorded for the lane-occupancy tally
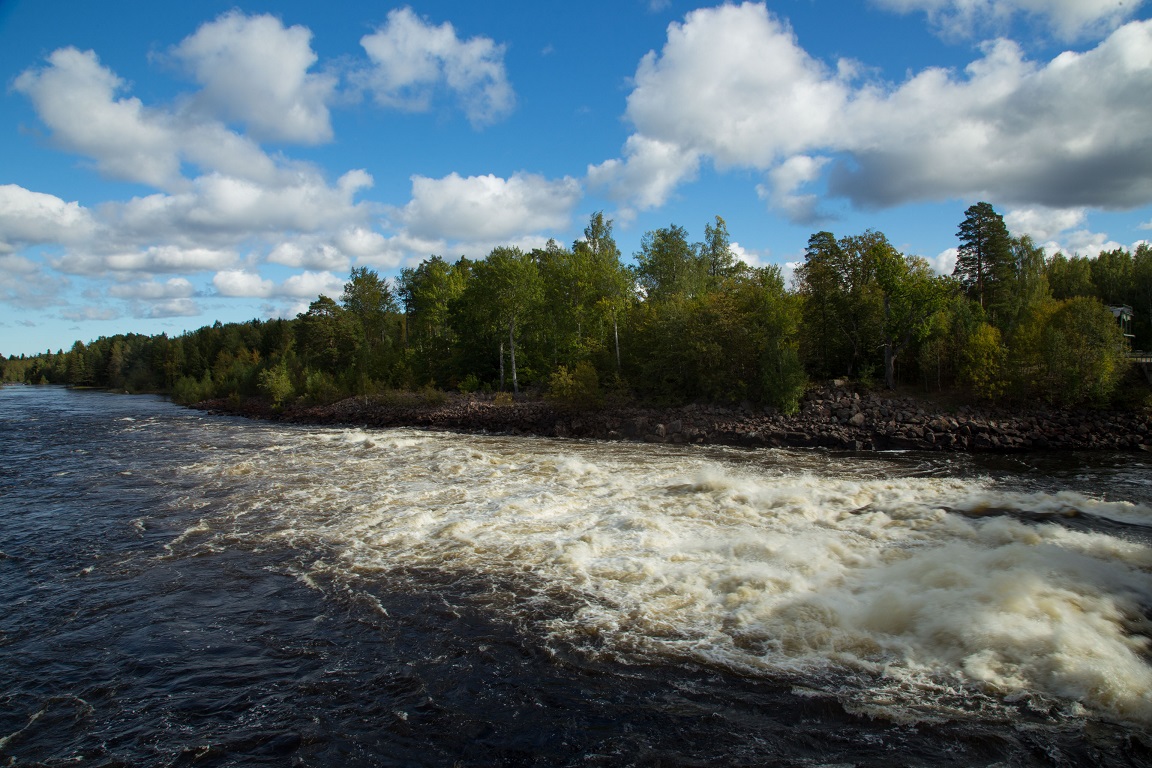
(832, 417)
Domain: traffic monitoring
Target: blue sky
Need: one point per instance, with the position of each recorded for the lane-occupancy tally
(164, 167)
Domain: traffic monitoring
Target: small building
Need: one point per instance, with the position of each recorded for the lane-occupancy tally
(1123, 315)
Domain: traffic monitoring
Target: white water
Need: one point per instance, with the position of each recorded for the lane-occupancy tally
(904, 597)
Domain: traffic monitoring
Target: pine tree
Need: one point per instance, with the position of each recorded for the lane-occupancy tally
(984, 262)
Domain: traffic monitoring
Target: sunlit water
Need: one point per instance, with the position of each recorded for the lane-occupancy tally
(188, 589)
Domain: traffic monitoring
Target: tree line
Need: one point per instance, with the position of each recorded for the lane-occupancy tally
(686, 322)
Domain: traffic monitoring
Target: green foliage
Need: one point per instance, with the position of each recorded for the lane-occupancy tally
(1068, 278)
(668, 267)
(188, 390)
(689, 323)
(469, 384)
(982, 363)
(320, 388)
(579, 388)
(984, 263)
(276, 385)
(1081, 353)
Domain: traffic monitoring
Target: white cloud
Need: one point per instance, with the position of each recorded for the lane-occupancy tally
(1061, 230)
(945, 261)
(750, 257)
(216, 206)
(307, 285)
(1041, 223)
(145, 261)
(169, 308)
(732, 85)
(412, 60)
(173, 288)
(76, 97)
(28, 217)
(788, 177)
(1067, 19)
(488, 207)
(650, 171)
(255, 70)
(309, 256)
(237, 282)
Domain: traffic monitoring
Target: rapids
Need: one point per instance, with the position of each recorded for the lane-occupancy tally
(583, 602)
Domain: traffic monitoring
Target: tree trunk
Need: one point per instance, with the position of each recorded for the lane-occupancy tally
(512, 349)
(501, 366)
(889, 366)
(616, 333)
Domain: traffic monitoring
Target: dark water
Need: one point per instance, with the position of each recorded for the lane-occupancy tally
(134, 633)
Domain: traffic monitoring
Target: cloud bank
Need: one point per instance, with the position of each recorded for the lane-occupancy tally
(733, 86)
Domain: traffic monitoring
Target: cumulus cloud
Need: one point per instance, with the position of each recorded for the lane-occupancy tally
(733, 86)
(173, 288)
(216, 205)
(650, 170)
(785, 179)
(167, 308)
(256, 71)
(945, 261)
(488, 207)
(148, 260)
(1041, 223)
(413, 60)
(307, 285)
(76, 97)
(1067, 19)
(31, 218)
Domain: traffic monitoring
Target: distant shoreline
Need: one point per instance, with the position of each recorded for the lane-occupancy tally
(830, 417)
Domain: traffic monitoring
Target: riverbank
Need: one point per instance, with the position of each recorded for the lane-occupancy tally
(832, 417)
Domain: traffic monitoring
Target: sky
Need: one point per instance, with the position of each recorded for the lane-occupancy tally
(165, 166)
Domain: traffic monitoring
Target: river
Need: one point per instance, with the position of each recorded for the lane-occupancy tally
(187, 589)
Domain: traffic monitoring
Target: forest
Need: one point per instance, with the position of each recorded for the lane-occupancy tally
(686, 322)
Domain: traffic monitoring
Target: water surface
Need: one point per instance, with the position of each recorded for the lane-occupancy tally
(200, 590)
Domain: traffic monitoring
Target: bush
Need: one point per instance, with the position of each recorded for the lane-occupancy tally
(982, 362)
(502, 399)
(579, 388)
(431, 396)
(276, 385)
(469, 384)
(320, 388)
(188, 390)
(1085, 353)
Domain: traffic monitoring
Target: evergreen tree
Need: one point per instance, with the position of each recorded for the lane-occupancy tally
(984, 262)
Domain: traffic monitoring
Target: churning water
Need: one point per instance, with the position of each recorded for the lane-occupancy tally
(182, 589)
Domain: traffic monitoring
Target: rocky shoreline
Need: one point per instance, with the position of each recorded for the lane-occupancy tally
(831, 417)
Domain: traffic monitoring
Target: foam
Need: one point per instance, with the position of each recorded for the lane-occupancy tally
(919, 589)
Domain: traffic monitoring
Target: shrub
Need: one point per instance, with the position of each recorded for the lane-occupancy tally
(469, 384)
(579, 388)
(188, 390)
(431, 396)
(982, 362)
(276, 385)
(320, 388)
